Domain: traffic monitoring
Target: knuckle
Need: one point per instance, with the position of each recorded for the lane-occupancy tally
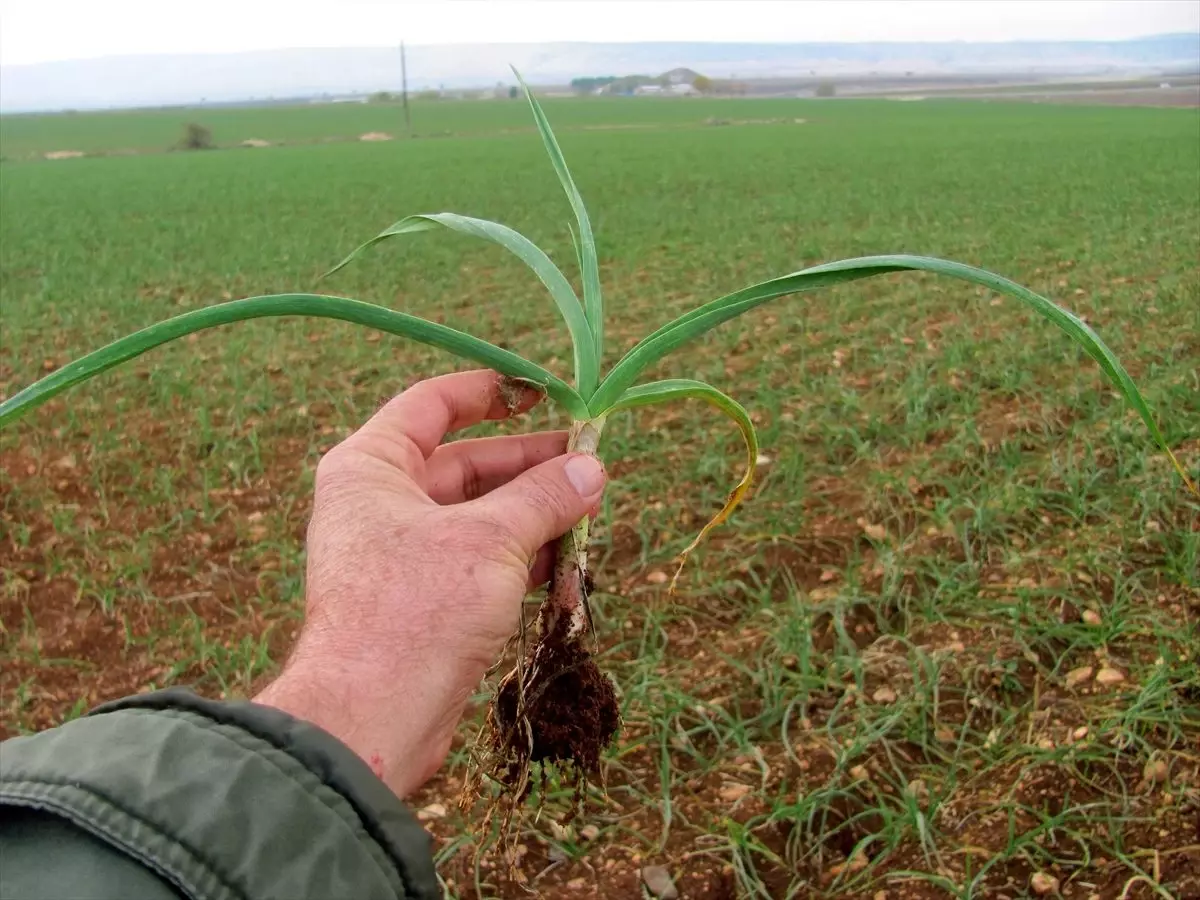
(546, 497)
(329, 467)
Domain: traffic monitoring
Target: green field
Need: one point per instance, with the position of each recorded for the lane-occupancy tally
(862, 685)
(25, 136)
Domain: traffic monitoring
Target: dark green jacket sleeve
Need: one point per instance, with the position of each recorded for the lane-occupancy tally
(167, 795)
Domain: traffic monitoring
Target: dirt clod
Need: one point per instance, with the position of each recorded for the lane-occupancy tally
(570, 706)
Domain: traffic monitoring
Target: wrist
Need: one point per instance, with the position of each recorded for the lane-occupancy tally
(332, 697)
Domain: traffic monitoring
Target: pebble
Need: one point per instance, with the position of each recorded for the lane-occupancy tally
(1079, 676)
(1110, 676)
(1043, 884)
(873, 531)
(658, 577)
(1155, 771)
(432, 811)
(589, 832)
(734, 791)
(1091, 617)
(884, 695)
(577, 884)
(658, 881)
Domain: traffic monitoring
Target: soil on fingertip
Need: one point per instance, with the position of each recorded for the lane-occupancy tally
(572, 712)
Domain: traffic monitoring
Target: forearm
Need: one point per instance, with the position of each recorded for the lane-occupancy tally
(218, 799)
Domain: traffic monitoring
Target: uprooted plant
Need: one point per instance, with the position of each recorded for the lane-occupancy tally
(555, 706)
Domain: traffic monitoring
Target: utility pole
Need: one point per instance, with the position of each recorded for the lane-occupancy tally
(404, 90)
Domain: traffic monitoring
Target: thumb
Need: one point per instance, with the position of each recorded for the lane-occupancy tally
(544, 502)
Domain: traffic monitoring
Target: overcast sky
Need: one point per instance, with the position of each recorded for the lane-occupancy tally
(42, 30)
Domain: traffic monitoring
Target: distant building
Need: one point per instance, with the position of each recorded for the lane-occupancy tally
(679, 76)
(643, 89)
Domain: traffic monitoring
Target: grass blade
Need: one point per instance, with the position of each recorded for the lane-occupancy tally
(690, 326)
(592, 303)
(316, 305)
(587, 365)
(687, 389)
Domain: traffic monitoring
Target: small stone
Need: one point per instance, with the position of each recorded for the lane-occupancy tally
(859, 773)
(918, 789)
(873, 531)
(1090, 617)
(657, 577)
(1108, 676)
(763, 460)
(944, 735)
(1079, 676)
(658, 881)
(880, 895)
(577, 884)
(1155, 771)
(1043, 883)
(884, 695)
(1080, 733)
(432, 811)
(733, 791)
(589, 832)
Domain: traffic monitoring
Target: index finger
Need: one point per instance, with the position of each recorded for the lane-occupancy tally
(423, 415)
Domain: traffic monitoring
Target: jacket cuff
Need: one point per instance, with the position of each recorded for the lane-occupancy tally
(225, 799)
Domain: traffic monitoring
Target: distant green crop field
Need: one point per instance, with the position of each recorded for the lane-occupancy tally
(23, 136)
(871, 661)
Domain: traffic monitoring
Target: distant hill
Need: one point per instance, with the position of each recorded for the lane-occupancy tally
(187, 79)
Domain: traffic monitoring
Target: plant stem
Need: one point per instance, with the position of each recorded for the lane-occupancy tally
(566, 602)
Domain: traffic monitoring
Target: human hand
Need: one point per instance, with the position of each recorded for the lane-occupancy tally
(419, 557)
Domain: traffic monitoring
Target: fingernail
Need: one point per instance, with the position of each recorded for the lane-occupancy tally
(585, 474)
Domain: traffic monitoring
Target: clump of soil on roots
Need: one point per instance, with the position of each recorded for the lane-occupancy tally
(571, 711)
(556, 709)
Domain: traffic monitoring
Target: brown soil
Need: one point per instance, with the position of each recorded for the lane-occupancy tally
(572, 711)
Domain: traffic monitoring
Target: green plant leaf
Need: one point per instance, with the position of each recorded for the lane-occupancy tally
(593, 304)
(587, 366)
(695, 323)
(316, 305)
(687, 389)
